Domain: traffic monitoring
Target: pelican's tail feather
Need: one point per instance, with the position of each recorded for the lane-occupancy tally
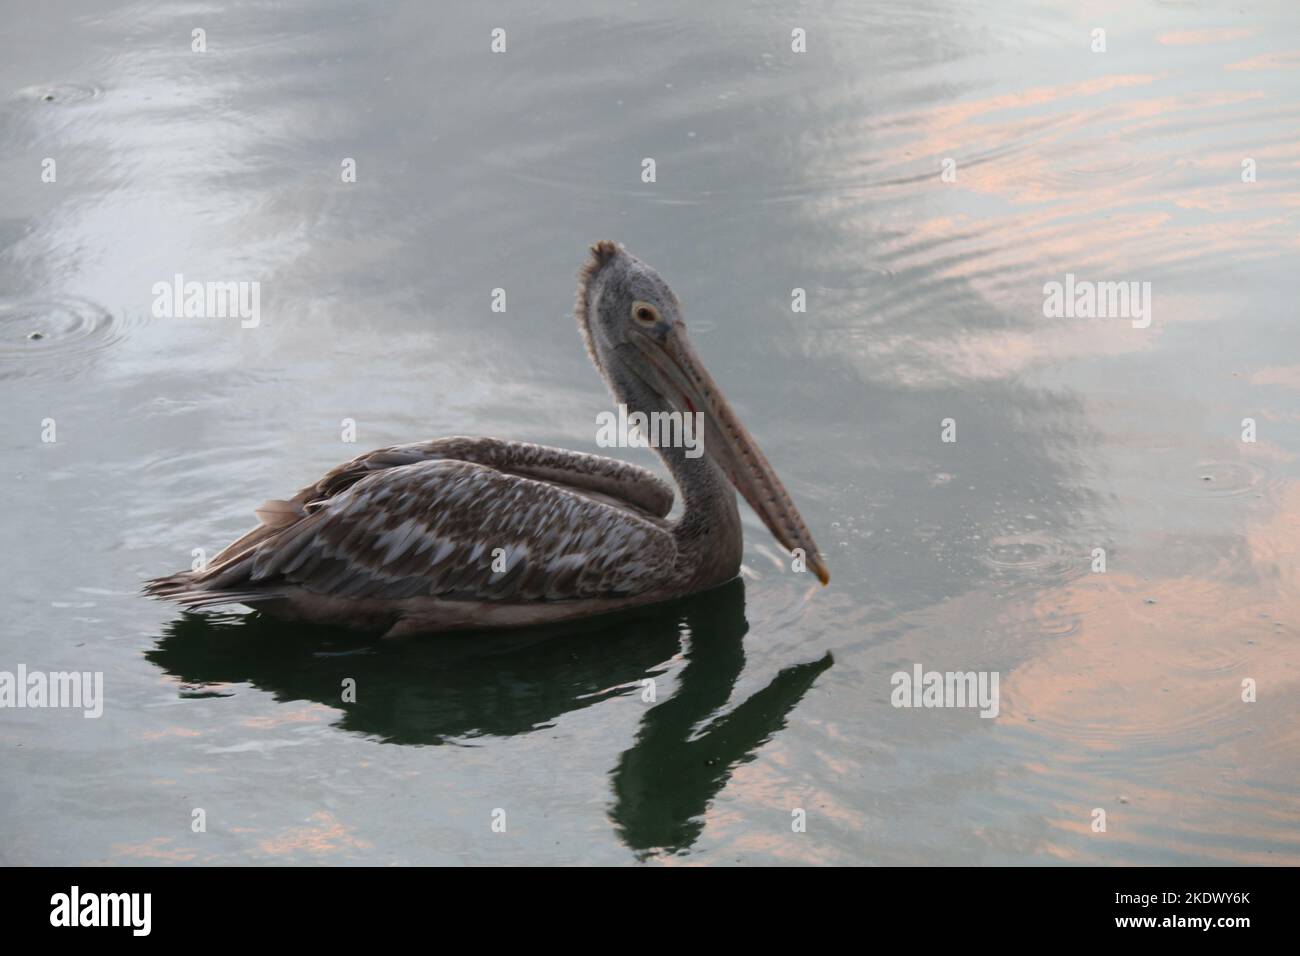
(185, 587)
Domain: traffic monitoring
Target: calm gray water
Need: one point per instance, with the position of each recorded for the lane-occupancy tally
(1119, 691)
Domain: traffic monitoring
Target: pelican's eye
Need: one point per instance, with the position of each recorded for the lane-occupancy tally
(645, 313)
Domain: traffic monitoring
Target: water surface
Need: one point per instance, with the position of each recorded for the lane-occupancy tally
(775, 170)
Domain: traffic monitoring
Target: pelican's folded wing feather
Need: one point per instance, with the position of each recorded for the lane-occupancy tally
(457, 530)
(593, 475)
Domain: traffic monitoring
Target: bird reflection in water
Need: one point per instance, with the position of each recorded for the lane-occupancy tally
(459, 688)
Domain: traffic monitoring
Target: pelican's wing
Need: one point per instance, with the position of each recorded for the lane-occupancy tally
(594, 475)
(452, 529)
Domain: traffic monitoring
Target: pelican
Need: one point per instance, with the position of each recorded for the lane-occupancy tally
(473, 533)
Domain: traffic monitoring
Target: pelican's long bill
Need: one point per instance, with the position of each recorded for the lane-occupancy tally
(693, 389)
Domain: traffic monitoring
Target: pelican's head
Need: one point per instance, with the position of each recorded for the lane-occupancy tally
(632, 324)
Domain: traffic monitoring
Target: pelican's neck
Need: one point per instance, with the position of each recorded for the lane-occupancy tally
(708, 533)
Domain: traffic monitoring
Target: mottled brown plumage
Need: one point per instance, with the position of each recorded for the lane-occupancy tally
(477, 532)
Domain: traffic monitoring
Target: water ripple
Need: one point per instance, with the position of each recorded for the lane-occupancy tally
(1227, 479)
(1033, 556)
(64, 94)
(55, 336)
